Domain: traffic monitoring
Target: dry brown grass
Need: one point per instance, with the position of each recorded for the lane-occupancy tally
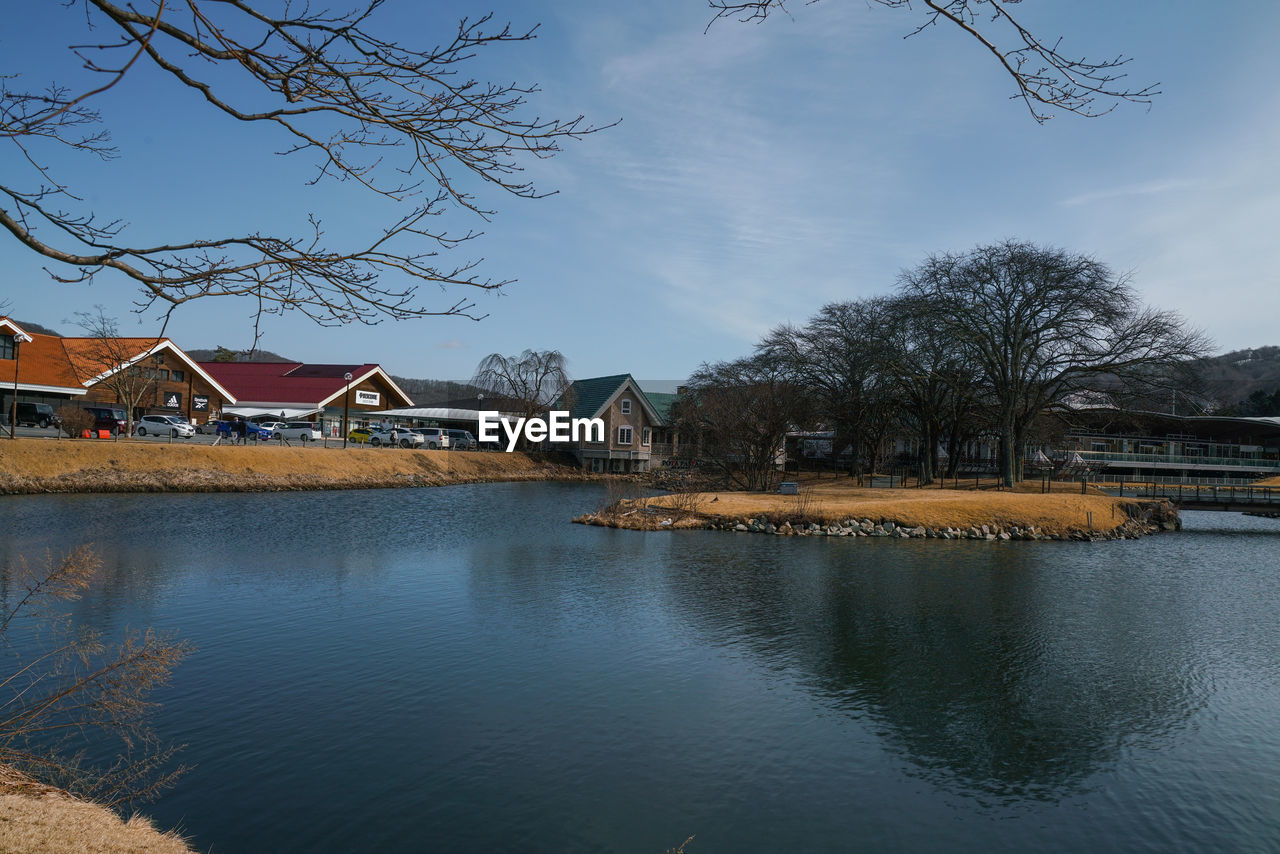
(1270, 481)
(1061, 511)
(105, 466)
(38, 819)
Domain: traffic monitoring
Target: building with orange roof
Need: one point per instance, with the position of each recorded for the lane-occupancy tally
(55, 370)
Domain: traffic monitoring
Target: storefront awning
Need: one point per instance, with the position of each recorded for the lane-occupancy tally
(284, 412)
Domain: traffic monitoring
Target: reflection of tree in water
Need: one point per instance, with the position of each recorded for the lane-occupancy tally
(1005, 671)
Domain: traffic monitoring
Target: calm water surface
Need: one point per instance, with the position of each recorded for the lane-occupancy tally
(460, 669)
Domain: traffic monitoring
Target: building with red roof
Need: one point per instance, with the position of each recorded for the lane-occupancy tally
(291, 391)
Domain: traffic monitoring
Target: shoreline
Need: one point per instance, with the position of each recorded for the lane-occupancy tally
(82, 466)
(842, 510)
(37, 817)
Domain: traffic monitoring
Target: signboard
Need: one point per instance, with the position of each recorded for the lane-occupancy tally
(171, 400)
(368, 398)
(200, 403)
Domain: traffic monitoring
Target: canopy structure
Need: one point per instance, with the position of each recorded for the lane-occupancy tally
(288, 413)
(438, 413)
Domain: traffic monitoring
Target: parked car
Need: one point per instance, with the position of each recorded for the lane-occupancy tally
(35, 414)
(461, 440)
(359, 435)
(108, 418)
(300, 431)
(404, 437)
(250, 431)
(433, 437)
(273, 426)
(159, 425)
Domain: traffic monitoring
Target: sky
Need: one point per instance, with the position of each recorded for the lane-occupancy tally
(755, 172)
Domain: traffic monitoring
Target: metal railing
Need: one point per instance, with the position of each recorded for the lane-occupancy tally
(1112, 457)
(1204, 496)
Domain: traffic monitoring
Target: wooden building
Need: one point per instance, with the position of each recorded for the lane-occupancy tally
(151, 375)
(293, 391)
(632, 424)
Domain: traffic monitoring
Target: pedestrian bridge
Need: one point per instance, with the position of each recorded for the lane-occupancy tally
(1261, 500)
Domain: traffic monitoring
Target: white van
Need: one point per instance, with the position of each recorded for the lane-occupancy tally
(299, 431)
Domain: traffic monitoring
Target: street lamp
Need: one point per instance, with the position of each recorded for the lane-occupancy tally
(18, 338)
(346, 408)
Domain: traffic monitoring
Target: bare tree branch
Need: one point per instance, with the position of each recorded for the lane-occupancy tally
(1047, 79)
(406, 124)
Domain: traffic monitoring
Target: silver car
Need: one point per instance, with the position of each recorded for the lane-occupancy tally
(161, 425)
(404, 437)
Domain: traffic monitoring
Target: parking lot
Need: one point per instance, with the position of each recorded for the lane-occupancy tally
(198, 439)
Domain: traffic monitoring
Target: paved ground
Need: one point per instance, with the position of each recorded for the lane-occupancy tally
(51, 434)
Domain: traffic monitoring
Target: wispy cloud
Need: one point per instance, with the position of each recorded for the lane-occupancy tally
(1146, 188)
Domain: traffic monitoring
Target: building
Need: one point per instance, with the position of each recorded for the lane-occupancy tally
(457, 413)
(151, 375)
(1173, 448)
(631, 424)
(293, 391)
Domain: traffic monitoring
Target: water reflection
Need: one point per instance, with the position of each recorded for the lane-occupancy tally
(481, 675)
(985, 665)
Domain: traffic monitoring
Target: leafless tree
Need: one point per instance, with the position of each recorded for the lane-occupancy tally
(409, 124)
(62, 687)
(936, 383)
(1046, 78)
(531, 381)
(76, 420)
(119, 362)
(1043, 325)
(737, 414)
(840, 360)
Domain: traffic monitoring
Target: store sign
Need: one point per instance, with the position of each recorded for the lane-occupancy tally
(200, 402)
(368, 398)
(171, 400)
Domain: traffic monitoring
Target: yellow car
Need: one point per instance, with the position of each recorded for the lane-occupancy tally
(360, 435)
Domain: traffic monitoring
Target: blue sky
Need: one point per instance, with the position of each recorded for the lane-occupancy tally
(758, 172)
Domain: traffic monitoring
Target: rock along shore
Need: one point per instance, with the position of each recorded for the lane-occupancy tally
(1139, 519)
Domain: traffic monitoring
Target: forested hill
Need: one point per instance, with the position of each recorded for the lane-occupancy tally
(1245, 382)
(222, 354)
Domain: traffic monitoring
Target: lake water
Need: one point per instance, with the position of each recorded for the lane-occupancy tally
(461, 669)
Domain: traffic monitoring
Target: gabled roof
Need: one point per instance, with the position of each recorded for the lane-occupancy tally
(70, 365)
(295, 382)
(42, 363)
(662, 402)
(93, 363)
(589, 397)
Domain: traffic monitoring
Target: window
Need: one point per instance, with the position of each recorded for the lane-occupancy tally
(624, 435)
(646, 436)
(179, 376)
(625, 406)
(8, 344)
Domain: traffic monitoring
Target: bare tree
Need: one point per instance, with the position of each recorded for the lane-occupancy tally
(119, 364)
(936, 382)
(1047, 79)
(408, 124)
(737, 414)
(63, 688)
(840, 360)
(530, 381)
(1043, 326)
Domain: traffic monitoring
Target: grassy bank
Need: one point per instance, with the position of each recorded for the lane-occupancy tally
(103, 466)
(1060, 513)
(39, 819)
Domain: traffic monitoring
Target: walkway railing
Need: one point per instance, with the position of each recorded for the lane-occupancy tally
(1114, 458)
(1204, 497)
